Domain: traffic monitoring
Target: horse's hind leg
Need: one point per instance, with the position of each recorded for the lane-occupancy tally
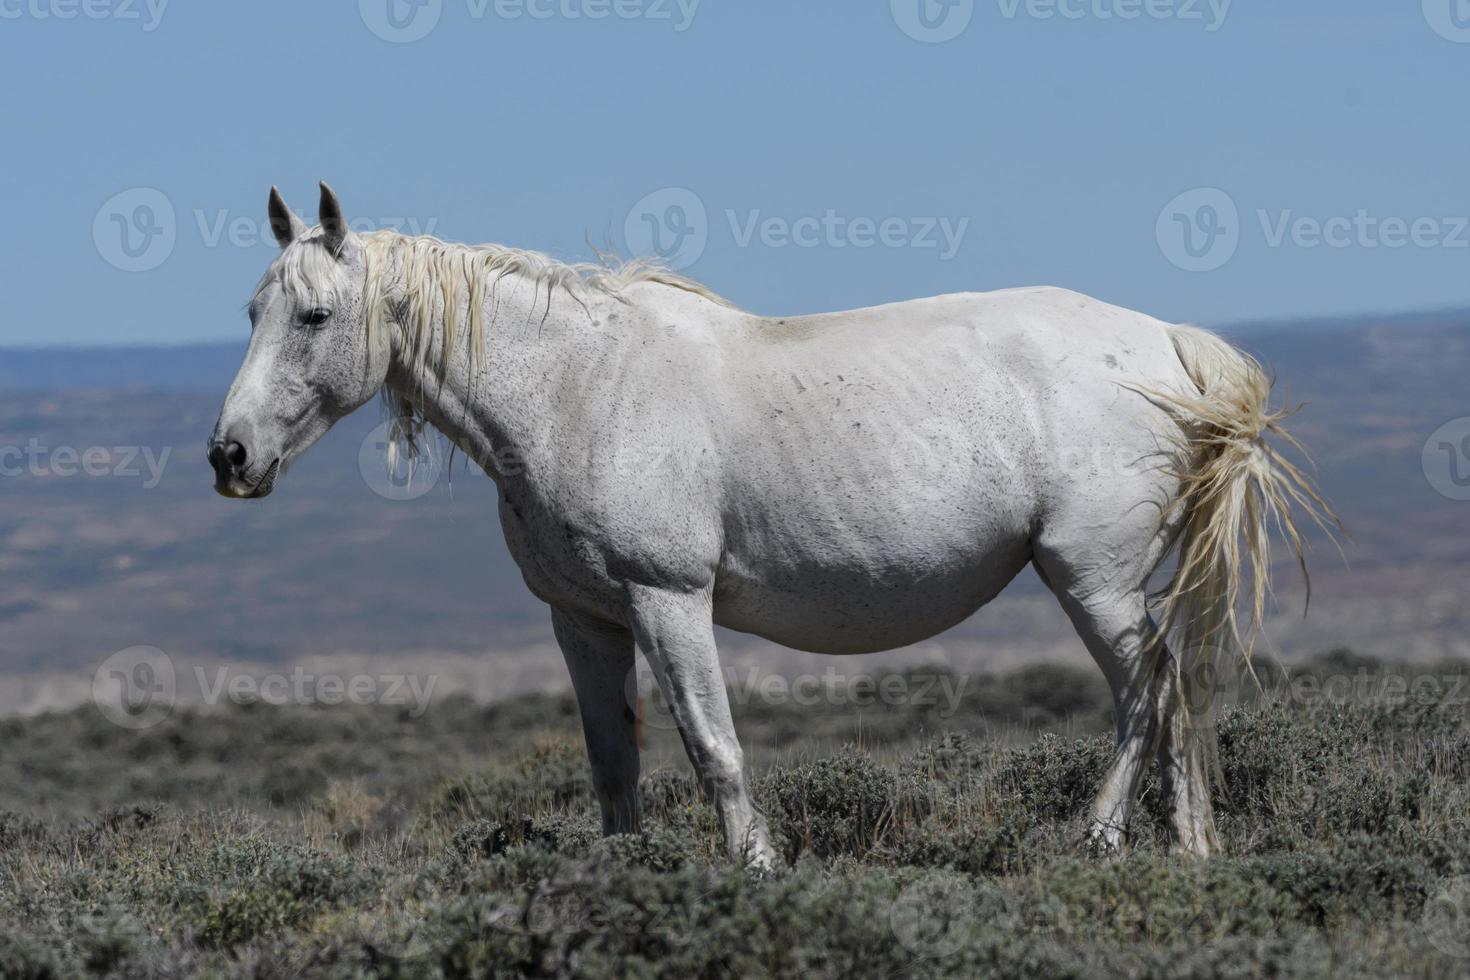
(1100, 580)
(1183, 768)
(1116, 631)
(1152, 715)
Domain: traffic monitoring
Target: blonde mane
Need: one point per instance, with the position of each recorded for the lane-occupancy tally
(411, 278)
(414, 281)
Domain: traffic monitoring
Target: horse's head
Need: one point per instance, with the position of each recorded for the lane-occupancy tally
(310, 362)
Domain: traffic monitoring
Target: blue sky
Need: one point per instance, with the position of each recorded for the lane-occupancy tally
(1202, 161)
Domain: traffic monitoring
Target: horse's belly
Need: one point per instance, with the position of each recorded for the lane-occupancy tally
(863, 607)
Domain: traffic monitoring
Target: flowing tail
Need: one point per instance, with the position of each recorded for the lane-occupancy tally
(1236, 490)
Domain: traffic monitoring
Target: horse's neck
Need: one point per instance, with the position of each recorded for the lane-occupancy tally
(494, 408)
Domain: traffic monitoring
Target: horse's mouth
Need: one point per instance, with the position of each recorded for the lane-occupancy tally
(233, 489)
(267, 483)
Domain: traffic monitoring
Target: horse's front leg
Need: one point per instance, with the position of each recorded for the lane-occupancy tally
(675, 630)
(600, 659)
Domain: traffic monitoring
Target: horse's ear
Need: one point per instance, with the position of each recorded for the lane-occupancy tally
(334, 226)
(284, 223)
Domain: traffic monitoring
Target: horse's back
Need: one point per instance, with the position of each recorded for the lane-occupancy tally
(1036, 370)
(1058, 325)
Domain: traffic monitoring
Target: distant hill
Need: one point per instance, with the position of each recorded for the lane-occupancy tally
(205, 367)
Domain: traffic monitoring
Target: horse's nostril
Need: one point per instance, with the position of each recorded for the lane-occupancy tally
(235, 454)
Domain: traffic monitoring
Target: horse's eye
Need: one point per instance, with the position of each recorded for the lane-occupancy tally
(316, 317)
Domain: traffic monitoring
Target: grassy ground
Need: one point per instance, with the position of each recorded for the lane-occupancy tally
(258, 841)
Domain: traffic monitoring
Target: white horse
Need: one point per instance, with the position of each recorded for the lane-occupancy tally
(842, 483)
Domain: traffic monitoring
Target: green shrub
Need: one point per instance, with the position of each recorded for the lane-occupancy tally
(557, 833)
(553, 776)
(1054, 779)
(843, 805)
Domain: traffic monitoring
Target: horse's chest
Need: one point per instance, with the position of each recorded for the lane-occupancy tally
(560, 564)
(579, 553)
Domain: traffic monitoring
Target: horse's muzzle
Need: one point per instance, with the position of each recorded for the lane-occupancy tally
(230, 461)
